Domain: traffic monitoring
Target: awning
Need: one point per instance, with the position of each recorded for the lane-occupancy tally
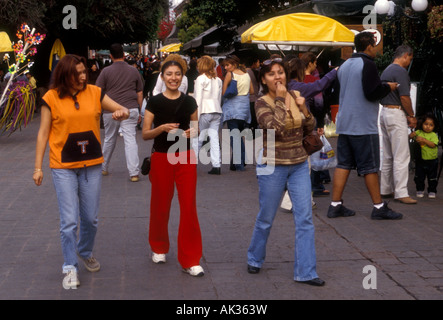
(333, 8)
(173, 47)
(304, 29)
(197, 42)
(5, 42)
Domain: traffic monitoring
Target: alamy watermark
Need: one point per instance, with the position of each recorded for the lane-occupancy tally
(254, 146)
(70, 21)
(370, 281)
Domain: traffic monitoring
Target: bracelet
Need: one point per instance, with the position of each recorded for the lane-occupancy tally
(411, 116)
(37, 170)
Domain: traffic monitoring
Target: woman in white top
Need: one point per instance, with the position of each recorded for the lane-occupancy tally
(207, 93)
(160, 85)
(236, 111)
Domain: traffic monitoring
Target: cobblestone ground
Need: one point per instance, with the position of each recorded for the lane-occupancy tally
(407, 255)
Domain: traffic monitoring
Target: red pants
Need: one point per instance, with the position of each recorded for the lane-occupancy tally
(163, 175)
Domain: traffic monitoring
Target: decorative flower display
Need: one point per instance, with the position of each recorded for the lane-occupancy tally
(17, 102)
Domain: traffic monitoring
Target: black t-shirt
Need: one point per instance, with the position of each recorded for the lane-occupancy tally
(171, 111)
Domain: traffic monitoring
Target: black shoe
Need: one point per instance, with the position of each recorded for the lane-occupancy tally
(253, 270)
(385, 213)
(314, 282)
(320, 193)
(215, 171)
(339, 211)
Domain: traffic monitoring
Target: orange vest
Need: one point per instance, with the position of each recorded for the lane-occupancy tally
(74, 139)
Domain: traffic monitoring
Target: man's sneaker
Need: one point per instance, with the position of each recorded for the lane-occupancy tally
(91, 264)
(420, 194)
(339, 211)
(70, 281)
(432, 195)
(195, 271)
(385, 213)
(158, 258)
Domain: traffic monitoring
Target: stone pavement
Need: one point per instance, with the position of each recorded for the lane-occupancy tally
(407, 255)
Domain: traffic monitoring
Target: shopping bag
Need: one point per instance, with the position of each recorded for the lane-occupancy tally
(325, 158)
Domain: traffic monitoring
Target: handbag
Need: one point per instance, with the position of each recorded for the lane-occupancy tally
(231, 90)
(312, 142)
(146, 166)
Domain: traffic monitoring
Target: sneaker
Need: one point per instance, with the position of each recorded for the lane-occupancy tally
(339, 211)
(105, 173)
(135, 178)
(432, 195)
(420, 194)
(385, 213)
(195, 271)
(91, 264)
(70, 281)
(158, 258)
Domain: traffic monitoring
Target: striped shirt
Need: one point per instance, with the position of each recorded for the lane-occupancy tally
(288, 128)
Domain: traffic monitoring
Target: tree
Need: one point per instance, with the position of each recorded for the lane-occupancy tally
(98, 21)
(166, 26)
(200, 15)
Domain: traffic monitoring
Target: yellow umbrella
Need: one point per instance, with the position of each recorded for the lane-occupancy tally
(174, 47)
(304, 29)
(5, 42)
(57, 49)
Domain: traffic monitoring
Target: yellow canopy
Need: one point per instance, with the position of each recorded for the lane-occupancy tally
(299, 29)
(5, 42)
(174, 47)
(57, 49)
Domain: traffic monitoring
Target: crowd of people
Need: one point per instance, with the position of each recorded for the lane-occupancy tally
(282, 95)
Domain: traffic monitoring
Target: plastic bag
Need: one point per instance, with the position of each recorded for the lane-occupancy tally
(325, 158)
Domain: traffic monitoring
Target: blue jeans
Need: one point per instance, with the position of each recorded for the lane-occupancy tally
(237, 160)
(271, 189)
(78, 195)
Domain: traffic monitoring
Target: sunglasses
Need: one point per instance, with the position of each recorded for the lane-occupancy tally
(77, 106)
(269, 61)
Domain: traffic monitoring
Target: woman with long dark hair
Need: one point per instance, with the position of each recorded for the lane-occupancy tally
(70, 122)
(236, 110)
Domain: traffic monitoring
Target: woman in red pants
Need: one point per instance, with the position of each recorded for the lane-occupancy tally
(173, 161)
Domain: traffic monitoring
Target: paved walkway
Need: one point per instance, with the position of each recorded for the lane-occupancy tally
(407, 255)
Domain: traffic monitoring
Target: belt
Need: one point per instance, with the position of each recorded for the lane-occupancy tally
(390, 106)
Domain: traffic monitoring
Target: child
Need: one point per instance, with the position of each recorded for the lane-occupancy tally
(427, 164)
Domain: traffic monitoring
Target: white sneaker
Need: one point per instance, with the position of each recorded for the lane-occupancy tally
(70, 281)
(432, 195)
(158, 258)
(420, 194)
(195, 271)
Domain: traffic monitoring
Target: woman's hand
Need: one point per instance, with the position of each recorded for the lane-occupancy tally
(121, 114)
(38, 177)
(170, 127)
(281, 90)
(190, 133)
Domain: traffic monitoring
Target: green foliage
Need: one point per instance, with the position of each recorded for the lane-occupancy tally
(98, 21)
(435, 23)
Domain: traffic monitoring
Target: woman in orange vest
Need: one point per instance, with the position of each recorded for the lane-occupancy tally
(70, 122)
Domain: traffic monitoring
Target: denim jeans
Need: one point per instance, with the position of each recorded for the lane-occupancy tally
(237, 160)
(78, 195)
(271, 190)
